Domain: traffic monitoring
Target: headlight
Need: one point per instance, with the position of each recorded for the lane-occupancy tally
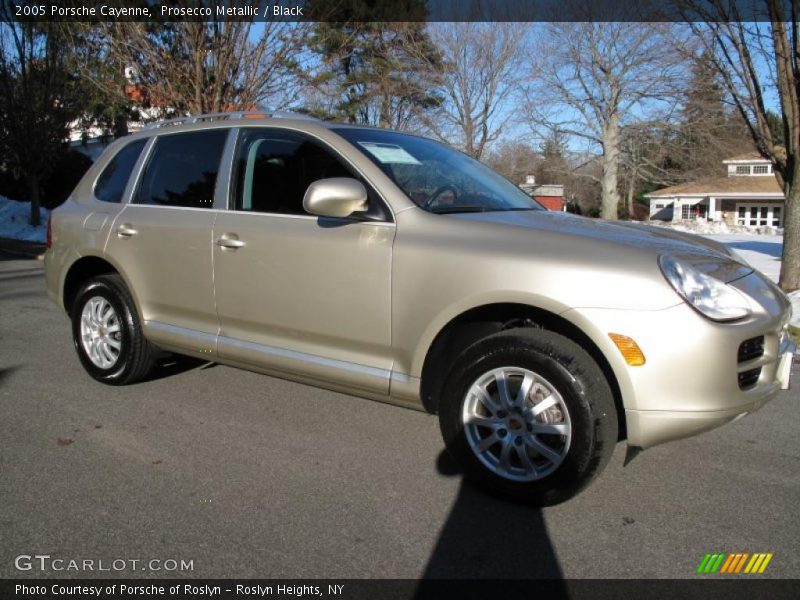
(709, 296)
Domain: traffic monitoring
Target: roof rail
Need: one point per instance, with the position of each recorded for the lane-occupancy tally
(229, 116)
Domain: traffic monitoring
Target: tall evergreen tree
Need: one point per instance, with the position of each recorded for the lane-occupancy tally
(709, 132)
(378, 73)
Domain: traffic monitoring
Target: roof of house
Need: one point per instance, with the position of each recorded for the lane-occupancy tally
(748, 156)
(543, 189)
(722, 185)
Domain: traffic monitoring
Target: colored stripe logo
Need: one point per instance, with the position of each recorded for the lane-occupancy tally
(735, 563)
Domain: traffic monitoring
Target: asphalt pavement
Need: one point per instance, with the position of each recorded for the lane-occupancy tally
(246, 475)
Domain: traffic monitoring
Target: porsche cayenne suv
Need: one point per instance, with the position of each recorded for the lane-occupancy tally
(395, 268)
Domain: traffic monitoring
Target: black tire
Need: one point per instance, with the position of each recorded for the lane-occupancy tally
(580, 383)
(136, 354)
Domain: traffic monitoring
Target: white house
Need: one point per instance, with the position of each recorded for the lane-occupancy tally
(749, 196)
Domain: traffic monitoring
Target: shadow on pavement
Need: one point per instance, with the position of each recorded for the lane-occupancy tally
(175, 364)
(768, 248)
(489, 538)
(4, 373)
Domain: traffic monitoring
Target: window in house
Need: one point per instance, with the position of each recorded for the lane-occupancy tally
(660, 205)
(759, 215)
(743, 170)
(694, 211)
(760, 169)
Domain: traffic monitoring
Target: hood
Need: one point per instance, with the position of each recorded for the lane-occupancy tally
(712, 257)
(626, 233)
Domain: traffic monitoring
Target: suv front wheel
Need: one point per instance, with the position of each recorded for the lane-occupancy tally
(107, 332)
(527, 412)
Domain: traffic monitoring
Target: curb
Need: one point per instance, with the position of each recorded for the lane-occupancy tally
(22, 249)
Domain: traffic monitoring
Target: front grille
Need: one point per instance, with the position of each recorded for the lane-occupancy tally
(751, 349)
(748, 379)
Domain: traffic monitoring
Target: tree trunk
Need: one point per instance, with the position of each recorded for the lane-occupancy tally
(629, 197)
(790, 265)
(120, 126)
(33, 188)
(610, 194)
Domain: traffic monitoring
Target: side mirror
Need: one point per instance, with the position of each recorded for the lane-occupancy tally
(335, 197)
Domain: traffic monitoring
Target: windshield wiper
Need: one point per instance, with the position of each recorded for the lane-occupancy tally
(446, 210)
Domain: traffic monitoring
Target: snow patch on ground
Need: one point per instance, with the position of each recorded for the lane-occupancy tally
(794, 297)
(717, 227)
(15, 221)
(762, 252)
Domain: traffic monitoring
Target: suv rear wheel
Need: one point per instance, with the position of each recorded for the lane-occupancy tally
(107, 332)
(527, 412)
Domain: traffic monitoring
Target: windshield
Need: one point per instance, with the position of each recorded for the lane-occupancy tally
(436, 177)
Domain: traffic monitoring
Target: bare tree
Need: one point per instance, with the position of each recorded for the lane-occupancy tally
(482, 75)
(593, 78)
(739, 51)
(514, 159)
(196, 67)
(647, 159)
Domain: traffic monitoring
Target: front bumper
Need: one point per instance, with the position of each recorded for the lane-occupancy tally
(689, 383)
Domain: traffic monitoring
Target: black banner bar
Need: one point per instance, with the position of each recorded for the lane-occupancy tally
(381, 10)
(397, 589)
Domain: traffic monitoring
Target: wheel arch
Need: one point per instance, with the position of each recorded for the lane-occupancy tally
(476, 323)
(83, 269)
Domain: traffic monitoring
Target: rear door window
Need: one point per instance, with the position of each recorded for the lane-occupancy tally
(112, 181)
(182, 169)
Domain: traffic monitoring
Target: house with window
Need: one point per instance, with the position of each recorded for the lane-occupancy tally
(748, 195)
(551, 196)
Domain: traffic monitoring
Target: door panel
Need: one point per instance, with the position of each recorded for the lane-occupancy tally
(165, 253)
(306, 295)
(297, 293)
(162, 241)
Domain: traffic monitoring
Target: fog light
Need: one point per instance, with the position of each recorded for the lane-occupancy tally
(630, 350)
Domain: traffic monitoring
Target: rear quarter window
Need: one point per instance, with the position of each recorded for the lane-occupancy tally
(112, 181)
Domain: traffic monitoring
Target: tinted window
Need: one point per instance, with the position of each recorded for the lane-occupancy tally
(182, 169)
(274, 169)
(112, 181)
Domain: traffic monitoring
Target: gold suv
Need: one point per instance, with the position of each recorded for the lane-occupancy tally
(393, 267)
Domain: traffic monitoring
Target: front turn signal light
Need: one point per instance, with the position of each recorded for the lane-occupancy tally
(630, 350)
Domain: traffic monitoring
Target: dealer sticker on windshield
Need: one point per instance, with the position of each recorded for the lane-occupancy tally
(389, 153)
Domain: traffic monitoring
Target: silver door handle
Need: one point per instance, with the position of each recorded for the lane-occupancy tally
(125, 230)
(226, 241)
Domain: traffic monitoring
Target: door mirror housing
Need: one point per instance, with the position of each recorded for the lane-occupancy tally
(335, 197)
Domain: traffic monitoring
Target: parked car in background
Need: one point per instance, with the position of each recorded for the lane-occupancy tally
(393, 267)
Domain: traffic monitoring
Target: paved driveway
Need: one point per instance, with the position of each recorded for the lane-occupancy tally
(251, 476)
